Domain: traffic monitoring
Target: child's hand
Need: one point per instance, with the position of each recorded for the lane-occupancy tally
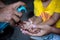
(30, 24)
(45, 29)
(30, 27)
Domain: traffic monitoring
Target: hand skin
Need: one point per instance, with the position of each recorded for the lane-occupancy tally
(10, 14)
(45, 30)
(55, 30)
(51, 29)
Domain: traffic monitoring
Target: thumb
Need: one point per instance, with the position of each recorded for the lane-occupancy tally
(17, 4)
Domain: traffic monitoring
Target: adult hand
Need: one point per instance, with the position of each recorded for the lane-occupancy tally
(10, 14)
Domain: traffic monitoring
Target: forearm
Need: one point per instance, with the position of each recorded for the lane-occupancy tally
(52, 20)
(55, 30)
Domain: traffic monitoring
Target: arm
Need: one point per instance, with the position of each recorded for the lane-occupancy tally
(53, 19)
(55, 30)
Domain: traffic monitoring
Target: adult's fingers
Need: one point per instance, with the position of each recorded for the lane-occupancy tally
(17, 4)
(15, 18)
(17, 14)
(12, 23)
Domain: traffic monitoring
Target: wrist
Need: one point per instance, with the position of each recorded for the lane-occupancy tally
(52, 29)
(56, 30)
